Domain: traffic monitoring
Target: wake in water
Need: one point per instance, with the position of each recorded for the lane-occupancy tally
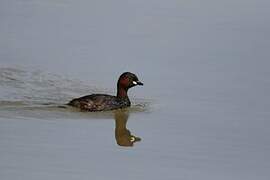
(32, 91)
(38, 87)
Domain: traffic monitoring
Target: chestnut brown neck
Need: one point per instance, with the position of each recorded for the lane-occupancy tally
(122, 92)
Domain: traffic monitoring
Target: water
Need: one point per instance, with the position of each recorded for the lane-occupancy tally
(203, 112)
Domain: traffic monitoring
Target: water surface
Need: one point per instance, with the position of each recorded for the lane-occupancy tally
(203, 112)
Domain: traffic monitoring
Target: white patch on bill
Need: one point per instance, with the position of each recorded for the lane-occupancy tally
(132, 139)
(134, 82)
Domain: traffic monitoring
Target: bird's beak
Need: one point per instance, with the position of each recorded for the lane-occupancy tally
(137, 83)
(140, 83)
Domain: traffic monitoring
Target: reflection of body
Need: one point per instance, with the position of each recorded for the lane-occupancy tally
(122, 134)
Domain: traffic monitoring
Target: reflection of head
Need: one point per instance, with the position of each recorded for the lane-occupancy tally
(122, 134)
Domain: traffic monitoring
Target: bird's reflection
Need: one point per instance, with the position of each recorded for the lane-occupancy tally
(122, 135)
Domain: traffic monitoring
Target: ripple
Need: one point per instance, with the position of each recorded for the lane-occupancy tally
(37, 94)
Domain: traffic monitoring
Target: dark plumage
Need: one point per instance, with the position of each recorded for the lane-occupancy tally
(104, 102)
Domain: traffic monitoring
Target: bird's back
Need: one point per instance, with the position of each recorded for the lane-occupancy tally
(98, 102)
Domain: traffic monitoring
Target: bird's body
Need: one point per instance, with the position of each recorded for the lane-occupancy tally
(99, 102)
(104, 102)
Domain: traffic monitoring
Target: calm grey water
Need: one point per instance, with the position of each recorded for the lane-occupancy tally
(204, 112)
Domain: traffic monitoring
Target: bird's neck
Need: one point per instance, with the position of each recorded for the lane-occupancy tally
(122, 93)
